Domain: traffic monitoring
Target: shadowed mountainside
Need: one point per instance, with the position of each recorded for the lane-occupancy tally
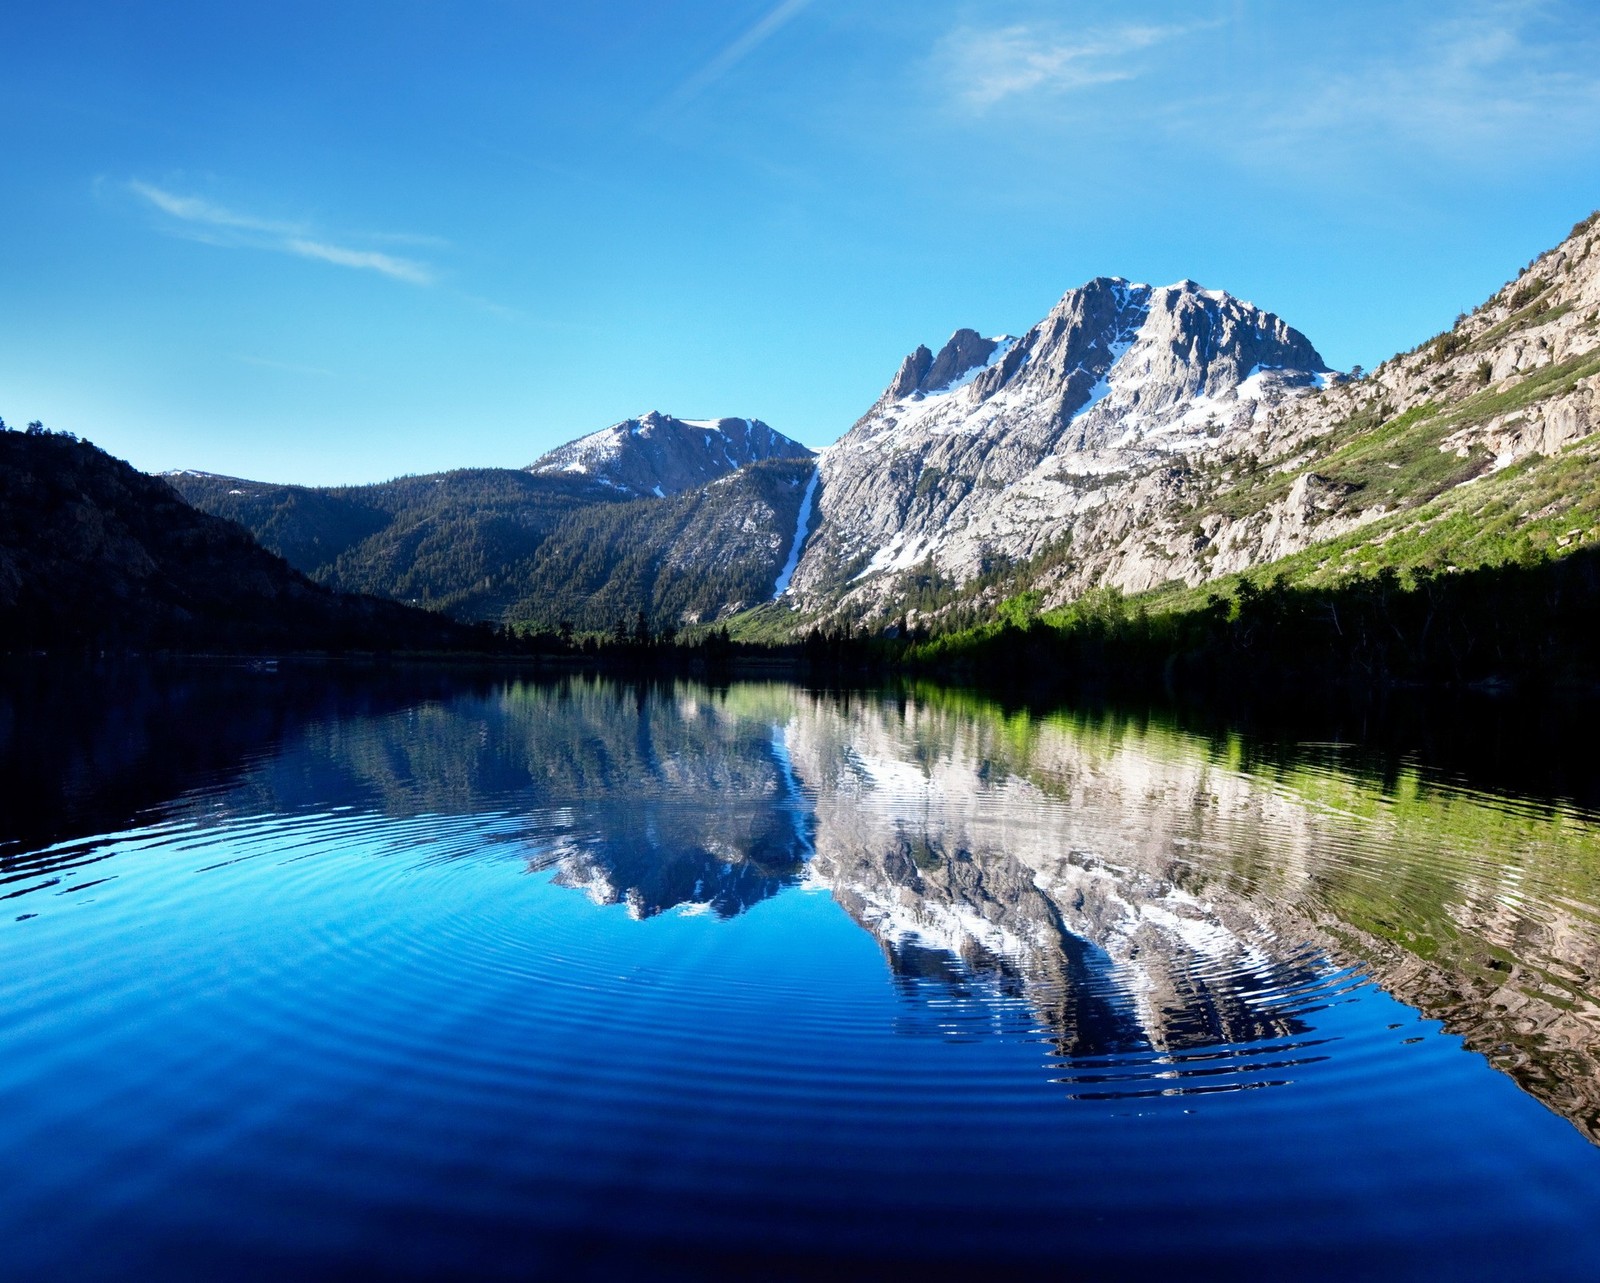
(96, 555)
(533, 548)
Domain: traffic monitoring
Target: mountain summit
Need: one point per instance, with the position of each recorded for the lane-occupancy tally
(1138, 438)
(981, 451)
(656, 454)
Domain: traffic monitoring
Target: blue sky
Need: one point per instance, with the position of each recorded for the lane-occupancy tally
(338, 242)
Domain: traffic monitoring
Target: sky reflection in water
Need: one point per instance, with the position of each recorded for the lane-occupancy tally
(305, 975)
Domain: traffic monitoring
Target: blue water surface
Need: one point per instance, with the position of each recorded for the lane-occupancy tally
(582, 980)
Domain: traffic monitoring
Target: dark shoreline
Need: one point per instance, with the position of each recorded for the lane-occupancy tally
(215, 707)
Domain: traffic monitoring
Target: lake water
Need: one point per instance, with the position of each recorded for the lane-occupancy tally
(304, 975)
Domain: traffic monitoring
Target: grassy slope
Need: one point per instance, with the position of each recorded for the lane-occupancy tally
(1435, 509)
(1441, 512)
(1426, 508)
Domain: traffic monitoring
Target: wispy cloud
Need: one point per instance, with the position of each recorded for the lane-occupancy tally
(194, 209)
(737, 51)
(1483, 78)
(402, 269)
(983, 67)
(218, 225)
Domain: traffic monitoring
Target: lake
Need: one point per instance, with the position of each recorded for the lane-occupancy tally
(307, 973)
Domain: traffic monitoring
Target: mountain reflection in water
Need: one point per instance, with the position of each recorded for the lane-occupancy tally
(1150, 896)
(322, 973)
(1162, 919)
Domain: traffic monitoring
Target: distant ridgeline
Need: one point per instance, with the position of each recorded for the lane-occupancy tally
(95, 555)
(685, 520)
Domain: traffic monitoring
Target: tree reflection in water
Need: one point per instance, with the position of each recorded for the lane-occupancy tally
(1161, 911)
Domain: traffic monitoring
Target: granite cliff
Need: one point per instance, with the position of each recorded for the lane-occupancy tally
(995, 449)
(1143, 439)
(656, 454)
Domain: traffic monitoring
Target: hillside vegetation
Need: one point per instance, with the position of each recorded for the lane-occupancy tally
(531, 550)
(1477, 450)
(95, 555)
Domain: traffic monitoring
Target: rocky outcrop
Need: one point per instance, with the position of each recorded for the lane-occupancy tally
(922, 372)
(994, 448)
(659, 455)
(1138, 437)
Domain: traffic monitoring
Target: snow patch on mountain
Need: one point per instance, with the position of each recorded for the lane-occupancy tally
(657, 454)
(981, 451)
(802, 527)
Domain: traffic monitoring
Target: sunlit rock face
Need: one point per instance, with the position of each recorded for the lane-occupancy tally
(991, 447)
(1139, 436)
(657, 454)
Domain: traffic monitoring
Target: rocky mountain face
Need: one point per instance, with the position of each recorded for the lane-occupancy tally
(1137, 438)
(1469, 449)
(989, 449)
(1145, 439)
(96, 555)
(659, 455)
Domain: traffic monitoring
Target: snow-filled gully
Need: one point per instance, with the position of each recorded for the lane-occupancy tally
(801, 525)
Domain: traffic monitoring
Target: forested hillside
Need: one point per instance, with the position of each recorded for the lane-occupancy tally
(95, 555)
(684, 560)
(514, 547)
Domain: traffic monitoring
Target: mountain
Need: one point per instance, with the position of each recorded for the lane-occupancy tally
(693, 558)
(1155, 441)
(659, 455)
(308, 528)
(986, 452)
(95, 554)
(1144, 440)
(1472, 449)
(685, 520)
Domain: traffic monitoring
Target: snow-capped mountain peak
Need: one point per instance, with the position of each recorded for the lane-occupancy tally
(970, 453)
(658, 454)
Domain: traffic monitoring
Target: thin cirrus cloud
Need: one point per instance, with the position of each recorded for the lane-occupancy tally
(984, 68)
(218, 225)
(737, 50)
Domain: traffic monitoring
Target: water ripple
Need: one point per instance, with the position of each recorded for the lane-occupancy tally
(457, 983)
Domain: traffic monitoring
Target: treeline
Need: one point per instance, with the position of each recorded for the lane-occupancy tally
(527, 549)
(97, 556)
(1534, 624)
(1531, 626)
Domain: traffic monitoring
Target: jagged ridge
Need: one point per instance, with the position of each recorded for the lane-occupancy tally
(656, 454)
(978, 453)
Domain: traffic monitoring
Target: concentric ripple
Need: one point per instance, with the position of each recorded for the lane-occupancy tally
(579, 979)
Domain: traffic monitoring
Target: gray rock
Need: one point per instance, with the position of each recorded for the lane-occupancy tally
(657, 454)
(1117, 379)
